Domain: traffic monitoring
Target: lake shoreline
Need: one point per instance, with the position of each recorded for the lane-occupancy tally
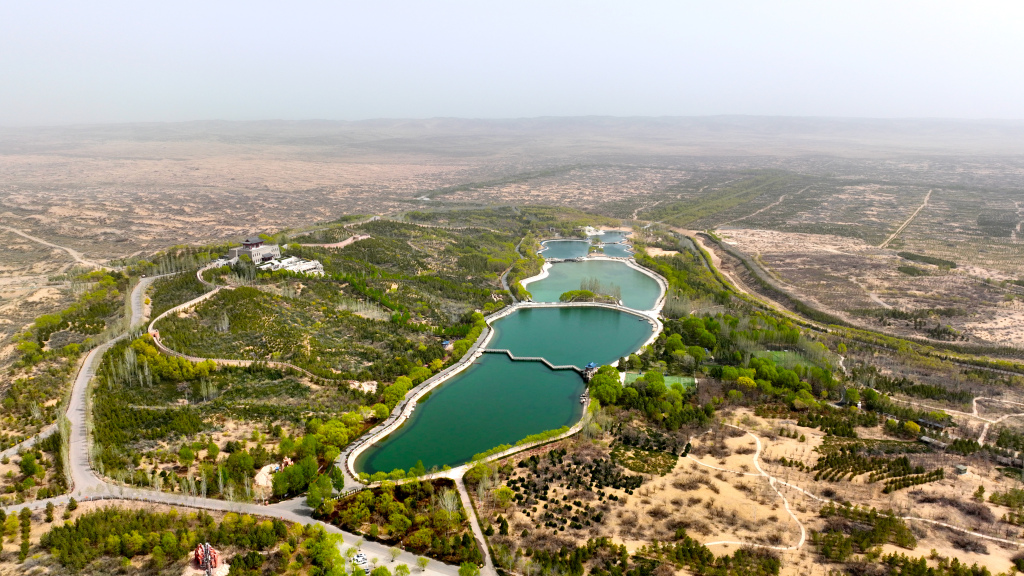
(407, 406)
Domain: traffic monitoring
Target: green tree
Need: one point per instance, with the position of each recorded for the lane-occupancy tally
(422, 563)
(10, 525)
(49, 511)
(394, 552)
(503, 496)
(852, 396)
(402, 570)
(469, 569)
(159, 558)
(319, 490)
(186, 456)
(911, 428)
(29, 465)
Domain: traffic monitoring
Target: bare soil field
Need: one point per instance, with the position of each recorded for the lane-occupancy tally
(856, 281)
(718, 496)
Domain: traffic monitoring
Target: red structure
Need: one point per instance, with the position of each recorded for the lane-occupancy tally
(206, 557)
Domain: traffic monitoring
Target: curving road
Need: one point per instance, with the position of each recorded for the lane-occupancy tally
(138, 310)
(87, 485)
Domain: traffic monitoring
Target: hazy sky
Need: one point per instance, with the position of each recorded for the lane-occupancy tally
(73, 62)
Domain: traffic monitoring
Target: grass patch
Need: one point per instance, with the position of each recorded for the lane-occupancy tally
(644, 461)
(926, 259)
(686, 381)
(913, 271)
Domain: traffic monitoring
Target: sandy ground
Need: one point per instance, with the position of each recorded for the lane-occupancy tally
(844, 275)
(659, 252)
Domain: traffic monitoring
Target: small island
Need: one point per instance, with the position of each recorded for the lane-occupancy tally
(586, 296)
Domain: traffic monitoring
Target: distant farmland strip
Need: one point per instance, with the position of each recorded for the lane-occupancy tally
(513, 179)
(926, 259)
(686, 212)
(909, 220)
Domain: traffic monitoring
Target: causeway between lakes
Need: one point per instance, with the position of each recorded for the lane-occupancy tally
(497, 400)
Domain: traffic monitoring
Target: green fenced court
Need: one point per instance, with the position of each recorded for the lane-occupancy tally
(686, 381)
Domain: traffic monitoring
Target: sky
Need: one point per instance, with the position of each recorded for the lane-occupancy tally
(99, 62)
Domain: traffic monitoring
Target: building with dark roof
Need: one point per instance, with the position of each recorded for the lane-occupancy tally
(256, 250)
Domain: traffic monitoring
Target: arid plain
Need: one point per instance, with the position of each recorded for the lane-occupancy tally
(909, 229)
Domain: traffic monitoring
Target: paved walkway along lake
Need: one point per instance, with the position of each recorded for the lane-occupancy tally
(497, 400)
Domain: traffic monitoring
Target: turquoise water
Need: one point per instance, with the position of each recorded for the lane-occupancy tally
(639, 291)
(499, 401)
(611, 236)
(565, 248)
(618, 250)
(572, 335)
(495, 401)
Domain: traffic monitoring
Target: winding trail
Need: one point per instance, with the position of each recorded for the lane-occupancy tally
(768, 207)
(771, 482)
(908, 221)
(138, 309)
(775, 483)
(89, 486)
(988, 422)
(75, 255)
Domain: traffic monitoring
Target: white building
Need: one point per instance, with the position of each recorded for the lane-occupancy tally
(256, 250)
(294, 264)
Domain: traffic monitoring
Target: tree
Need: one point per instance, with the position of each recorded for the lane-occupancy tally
(911, 428)
(852, 396)
(159, 558)
(212, 451)
(394, 552)
(503, 496)
(469, 569)
(49, 511)
(979, 494)
(605, 387)
(11, 525)
(186, 455)
(422, 562)
(449, 501)
(477, 473)
(29, 466)
(319, 489)
(402, 570)
(381, 571)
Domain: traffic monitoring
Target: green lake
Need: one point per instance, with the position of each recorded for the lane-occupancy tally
(611, 236)
(565, 248)
(572, 335)
(617, 250)
(498, 401)
(639, 291)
